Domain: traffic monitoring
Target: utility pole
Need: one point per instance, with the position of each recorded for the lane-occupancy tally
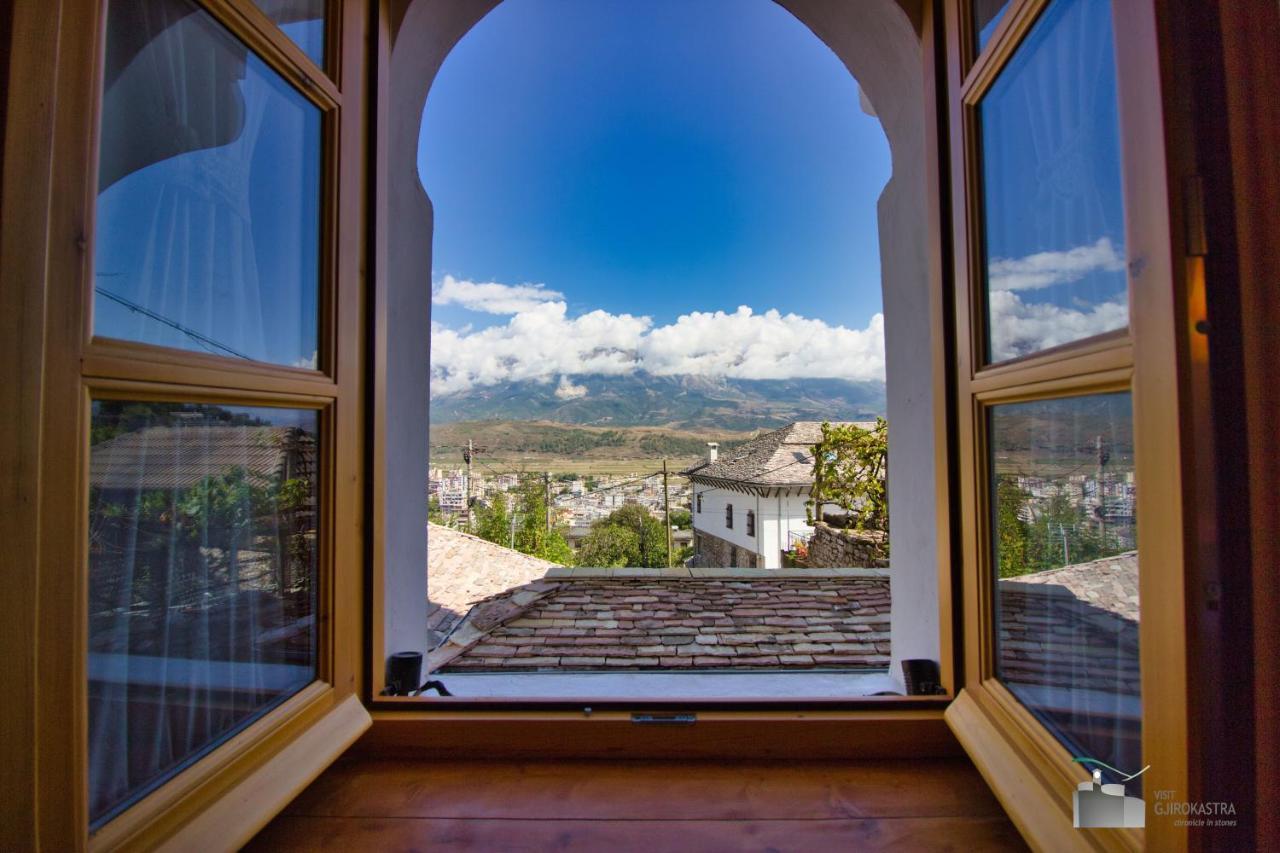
(666, 510)
(466, 503)
(1104, 456)
(546, 498)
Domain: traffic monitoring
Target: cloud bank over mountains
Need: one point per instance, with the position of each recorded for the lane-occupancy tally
(540, 342)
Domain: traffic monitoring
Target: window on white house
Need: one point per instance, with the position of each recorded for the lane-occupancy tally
(728, 516)
(699, 503)
(751, 523)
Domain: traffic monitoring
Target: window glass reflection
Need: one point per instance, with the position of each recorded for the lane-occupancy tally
(1065, 541)
(302, 21)
(207, 234)
(202, 580)
(1053, 210)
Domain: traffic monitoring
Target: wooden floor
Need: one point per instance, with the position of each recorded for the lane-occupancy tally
(653, 807)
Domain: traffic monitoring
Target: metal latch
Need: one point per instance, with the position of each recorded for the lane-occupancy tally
(664, 719)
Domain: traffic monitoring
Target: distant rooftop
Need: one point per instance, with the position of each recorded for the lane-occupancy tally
(689, 619)
(1074, 627)
(463, 569)
(180, 456)
(779, 458)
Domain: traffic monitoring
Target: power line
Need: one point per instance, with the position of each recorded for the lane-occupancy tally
(203, 340)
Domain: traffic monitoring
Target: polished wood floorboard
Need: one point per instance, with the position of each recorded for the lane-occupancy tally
(651, 806)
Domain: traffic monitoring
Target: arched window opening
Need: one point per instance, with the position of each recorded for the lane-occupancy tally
(657, 271)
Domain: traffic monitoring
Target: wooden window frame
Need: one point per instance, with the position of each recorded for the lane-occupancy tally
(1029, 769)
(63, 367)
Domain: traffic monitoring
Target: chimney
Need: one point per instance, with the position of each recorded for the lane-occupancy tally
(713, 450)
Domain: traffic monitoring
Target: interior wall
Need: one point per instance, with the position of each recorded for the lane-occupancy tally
(879, 43)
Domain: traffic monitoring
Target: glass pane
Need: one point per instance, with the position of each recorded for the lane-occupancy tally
(1065, 544)
(986, 17)
(202, 582)
(208, 219)
(302, 21)
(1053, 209)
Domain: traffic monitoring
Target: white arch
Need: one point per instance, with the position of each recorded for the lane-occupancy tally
(878, 42)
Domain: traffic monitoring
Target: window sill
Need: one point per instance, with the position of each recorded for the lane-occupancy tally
(885, 727)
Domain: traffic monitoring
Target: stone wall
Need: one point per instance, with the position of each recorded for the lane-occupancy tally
(715, 553)
(831, 548)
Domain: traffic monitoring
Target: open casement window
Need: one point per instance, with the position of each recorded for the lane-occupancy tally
(202, 375)
(1066, 411)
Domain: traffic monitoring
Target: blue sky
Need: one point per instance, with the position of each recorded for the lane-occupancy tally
(654, 158)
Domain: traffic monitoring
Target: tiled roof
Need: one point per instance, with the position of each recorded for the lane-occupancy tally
(678, 619)
(1075, 627)
(777, 458)
(463, 569)
(169, 457)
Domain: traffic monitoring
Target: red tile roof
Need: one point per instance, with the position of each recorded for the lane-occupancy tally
(463, 569)
(677, 619)
(178, 457)
(1074, 627)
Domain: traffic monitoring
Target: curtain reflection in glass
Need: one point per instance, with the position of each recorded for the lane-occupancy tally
(1065, 541)
(1053, 213)
(302, 21)
(202, 563)
(207, 234)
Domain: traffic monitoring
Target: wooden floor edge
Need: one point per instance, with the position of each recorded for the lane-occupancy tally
(237, 816)
(716, 735)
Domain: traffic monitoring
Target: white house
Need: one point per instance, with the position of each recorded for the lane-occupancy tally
(749, 507)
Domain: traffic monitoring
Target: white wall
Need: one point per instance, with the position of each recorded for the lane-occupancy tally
(770, 538)
(711, 519)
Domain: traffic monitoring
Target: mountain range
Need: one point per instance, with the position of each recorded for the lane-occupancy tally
(676, 402)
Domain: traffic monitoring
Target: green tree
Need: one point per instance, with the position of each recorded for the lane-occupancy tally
(492, 522)
(1059, 532)
(850, 470)
(524, 524)
(1012, 532)
(627, 537)
(681, 518)
(608, 546)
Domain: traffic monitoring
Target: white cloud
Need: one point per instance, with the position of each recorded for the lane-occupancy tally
(747, 345)
(1019, 328)
(535, 345)
(492, 297)
(1045, 269)
(541, 343)
(566, 390)
(309, 363)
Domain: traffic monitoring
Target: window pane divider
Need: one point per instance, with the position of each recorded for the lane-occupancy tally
(249, 24)
(984, 69)
(1015, 388)
(135, 362)
(125, 389)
